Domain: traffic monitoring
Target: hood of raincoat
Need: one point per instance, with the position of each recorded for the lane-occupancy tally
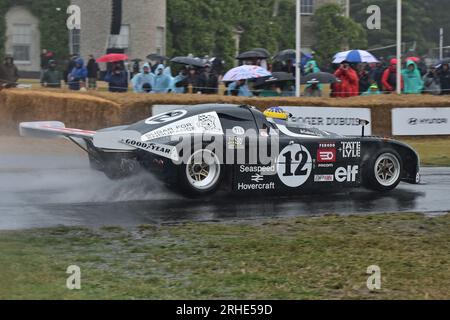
(79, 63)
(146, 65)
(411, 63)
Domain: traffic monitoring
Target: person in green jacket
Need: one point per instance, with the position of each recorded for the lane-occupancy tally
(412, 78)
(373, 90)
(51, 77)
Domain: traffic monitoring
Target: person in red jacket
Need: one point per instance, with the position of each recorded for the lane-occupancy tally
(349, 85)
(389, 79)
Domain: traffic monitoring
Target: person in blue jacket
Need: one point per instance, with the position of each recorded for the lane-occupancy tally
(143, 81)
(77, 77)
(239, 88)
(117, 79)
(162, 82)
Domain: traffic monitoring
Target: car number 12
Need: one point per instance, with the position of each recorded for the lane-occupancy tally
(294, 165)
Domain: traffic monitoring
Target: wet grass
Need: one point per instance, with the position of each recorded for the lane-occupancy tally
(433, 151)
(298, 258)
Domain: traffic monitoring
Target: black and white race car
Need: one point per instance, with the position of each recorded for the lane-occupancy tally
(197, 150)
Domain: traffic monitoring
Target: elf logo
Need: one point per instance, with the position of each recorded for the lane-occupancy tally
(346, 174)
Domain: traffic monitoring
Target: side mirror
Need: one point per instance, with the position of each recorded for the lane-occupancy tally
(363, 123)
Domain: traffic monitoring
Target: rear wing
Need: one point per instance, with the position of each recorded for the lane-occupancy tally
(52, 129)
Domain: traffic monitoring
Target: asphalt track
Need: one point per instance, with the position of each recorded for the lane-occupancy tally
(40, 191)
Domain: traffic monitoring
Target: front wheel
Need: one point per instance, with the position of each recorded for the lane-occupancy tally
(201, 175)
(384, 171)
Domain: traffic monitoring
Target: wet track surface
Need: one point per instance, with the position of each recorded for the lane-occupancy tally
(46, 191)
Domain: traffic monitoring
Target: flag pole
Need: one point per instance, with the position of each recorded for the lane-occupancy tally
(298, 55)
(399, 46)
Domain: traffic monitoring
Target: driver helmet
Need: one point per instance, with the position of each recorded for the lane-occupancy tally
(276, 113)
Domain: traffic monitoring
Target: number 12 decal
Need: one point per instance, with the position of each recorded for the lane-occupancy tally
(294, 165)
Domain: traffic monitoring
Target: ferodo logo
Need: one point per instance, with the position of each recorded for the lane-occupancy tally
(346, 174)
(326, 153)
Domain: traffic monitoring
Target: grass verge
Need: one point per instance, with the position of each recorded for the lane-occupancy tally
(433, 151)
(298, 258)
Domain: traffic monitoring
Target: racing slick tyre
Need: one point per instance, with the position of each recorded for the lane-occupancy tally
(201, 174)
(383, 171)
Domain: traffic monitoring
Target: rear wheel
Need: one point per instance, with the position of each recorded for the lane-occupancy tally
(384, 171)
(202, 173)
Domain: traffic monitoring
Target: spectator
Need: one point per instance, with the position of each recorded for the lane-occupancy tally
(412, 78)
(46, 57)
(52, 77)
(70, 65)
(77, 77)
(389, 79)
(117, 79)
(92, 69)
(208, 82)
(9, 74)
(240, 89)
(143, 81)
(444, 77)
(364, 79)
(177, 82)
(431, 82)
(190, 80)
(161, 82)
(376, 74)
(272, 91)
(349, 85)
(313, 89)
(373, 90)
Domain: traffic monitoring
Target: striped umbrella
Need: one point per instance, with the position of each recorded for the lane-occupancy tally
(246, 72)
(355, 56)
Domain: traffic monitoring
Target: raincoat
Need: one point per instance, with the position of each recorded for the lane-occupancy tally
(349, 85)
(311, 67)
(77, 75)
(413, 82)
(389, 79)
(242, 91)
(8, 71)
(161, 83)
(142, 78)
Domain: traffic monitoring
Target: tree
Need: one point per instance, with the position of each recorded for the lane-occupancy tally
(335, 32)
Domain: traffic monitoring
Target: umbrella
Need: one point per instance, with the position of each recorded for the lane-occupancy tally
(196, 62)
(245, 72)
(274, 78)
(113, 57)
(320, 77)
(355, 56)
(263, 51)
(156, 57)
(251, 55)
(290, 54)
(445, 61)
(136, 60)
(413, 59)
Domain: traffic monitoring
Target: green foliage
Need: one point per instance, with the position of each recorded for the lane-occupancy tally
(335, 32)
(52, 23)
(421, 22)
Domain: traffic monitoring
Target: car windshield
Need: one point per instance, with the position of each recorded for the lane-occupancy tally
(302, 128)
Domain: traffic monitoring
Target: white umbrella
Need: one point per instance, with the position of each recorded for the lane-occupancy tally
(245, 72)
(355, 56)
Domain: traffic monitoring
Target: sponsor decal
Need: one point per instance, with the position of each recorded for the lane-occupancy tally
(258, 169)
(326, 153)
(162, 150)
(294, 165)
(346, 174)
(324, 178)
(257, 178)
(430, 121)
(235, 143)
(208, 123)
(239, 131)
(256, 186)
(350, 150)
(166, 117)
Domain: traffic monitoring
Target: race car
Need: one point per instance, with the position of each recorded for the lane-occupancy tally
(198, 150)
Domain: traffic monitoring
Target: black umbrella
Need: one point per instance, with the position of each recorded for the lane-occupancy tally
(156, 57)
(251, 55)
(265, 52)
(196, 62)
(275, 78)
(289, 54)
(320, 77)
(445, 61)
(136, 60)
